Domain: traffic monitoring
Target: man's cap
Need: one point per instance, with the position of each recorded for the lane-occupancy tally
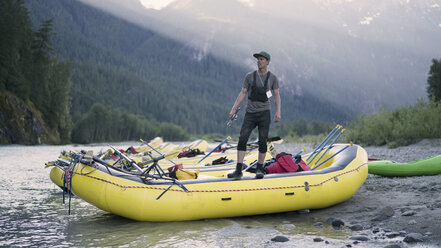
(262, 54)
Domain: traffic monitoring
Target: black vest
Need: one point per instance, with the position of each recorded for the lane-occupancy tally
(259, 93)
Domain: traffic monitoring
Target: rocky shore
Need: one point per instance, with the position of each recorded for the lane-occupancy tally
(388, 211)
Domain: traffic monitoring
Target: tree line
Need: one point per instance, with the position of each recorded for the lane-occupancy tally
(405, 125)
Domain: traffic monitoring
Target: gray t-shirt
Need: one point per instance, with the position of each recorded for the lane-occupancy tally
(273, 84)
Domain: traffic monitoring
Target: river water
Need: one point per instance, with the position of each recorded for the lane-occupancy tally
(33, 214)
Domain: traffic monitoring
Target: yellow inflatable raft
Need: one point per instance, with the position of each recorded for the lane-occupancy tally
(57, 172)
(152, 198)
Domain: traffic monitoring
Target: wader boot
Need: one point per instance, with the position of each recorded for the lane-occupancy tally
(259, 171)
(237, 173)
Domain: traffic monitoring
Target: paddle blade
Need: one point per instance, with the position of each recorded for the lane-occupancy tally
(49, 164)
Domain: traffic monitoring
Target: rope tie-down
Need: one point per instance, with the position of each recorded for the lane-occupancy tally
(306, 185)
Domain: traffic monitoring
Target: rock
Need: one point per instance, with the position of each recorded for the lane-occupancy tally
(408, 213)
(393, 235)
(356, 227)
(318, 224)
(22, 123)
(318, 239)
(413, 238)
(380, 218)
(412, 222)
(338, 224)
(288, 226)
(330, 220)
(386, 211)
(280, 238)
(393, 246)
(359, 238)
(303, 211)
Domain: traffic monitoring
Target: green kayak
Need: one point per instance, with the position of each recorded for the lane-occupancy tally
(424, 167)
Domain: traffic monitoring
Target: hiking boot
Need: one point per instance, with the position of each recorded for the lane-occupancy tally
(237, 173)
(259, 171)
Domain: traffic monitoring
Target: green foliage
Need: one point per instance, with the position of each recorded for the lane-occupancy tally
(30, 69)
(434, 81)
(15, 48)
(402, 126)
(103, 124)
(302, 128)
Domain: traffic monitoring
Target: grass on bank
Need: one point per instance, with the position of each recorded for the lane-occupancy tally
(400, 127)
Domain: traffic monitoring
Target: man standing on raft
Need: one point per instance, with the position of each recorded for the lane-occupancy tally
(258, 85)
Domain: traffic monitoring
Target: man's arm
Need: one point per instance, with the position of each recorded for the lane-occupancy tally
(238, 101)
(278, 115)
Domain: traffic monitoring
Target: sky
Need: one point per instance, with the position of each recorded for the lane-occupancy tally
(159, 4)
(156, 4)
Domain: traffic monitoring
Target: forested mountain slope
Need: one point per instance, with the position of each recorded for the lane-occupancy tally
(126, 67)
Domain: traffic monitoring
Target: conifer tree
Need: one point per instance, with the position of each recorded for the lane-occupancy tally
(434, 81)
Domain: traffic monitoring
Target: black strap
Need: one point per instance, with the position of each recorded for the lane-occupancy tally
(266, 79)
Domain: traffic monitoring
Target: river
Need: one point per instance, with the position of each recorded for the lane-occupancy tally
(33, 214)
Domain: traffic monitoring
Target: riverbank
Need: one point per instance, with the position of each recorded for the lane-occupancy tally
(404, 212)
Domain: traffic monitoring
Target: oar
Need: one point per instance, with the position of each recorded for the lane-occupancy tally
(132, 163)
(323, 144)
(344, 148)
(325, 140)
(329, 147)
(217, 147)
(163, 155)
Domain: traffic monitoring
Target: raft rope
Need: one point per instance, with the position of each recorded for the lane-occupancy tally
(67, 181)
(221, 190)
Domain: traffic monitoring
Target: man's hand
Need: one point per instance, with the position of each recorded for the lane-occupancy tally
(277, 117)
(232, 112)
(233, 116)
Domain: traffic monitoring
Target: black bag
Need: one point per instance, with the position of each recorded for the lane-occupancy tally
(221, 160)
(259, 93)
(190, 153)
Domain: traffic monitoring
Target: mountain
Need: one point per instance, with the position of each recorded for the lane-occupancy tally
(126, 66)
(359, 54)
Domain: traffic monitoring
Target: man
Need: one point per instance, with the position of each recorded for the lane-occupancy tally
(258, 86)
